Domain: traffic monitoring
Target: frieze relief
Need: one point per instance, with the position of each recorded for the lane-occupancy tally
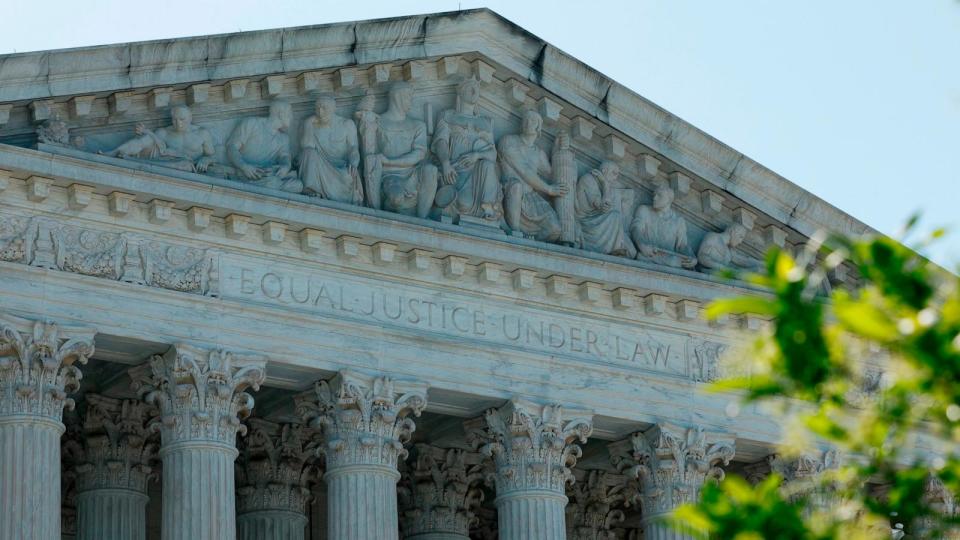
(475, 161)
(46, 243)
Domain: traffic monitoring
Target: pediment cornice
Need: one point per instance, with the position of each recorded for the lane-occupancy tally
(115, 68)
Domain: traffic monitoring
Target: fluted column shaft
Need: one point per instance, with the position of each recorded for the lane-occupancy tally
(112, 513)
(271, 525)
(656, 529)
(37, 371)
(365, 421)
(198, 492)
(29, 478)
(362, 502)
(532, 515)
(201, 397)
(440, 535)
(533, 448)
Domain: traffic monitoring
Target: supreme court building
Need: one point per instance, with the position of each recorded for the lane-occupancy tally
(427, 277)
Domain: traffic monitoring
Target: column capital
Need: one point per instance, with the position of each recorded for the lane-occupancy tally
(440, 491)
(594, 507)
(671, 464)
(275, 467)
(365, 419)
(201, 393)
(116, 451)
(533, 446)
(38, 366)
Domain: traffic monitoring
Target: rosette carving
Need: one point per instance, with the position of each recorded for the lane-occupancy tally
(201, 394)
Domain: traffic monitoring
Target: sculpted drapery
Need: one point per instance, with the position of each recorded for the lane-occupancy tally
(459, 172)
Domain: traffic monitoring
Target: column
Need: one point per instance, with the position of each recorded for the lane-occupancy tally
(666, 467)
(201, 396)
(365, 421)
(37, 370)
(113, 469)
(275, 473)
(595, 501)
(803, 477)
(440, 494)
(533, 449)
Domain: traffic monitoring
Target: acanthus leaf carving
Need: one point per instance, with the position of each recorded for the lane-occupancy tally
(201, 394)
(177, 268)
(277, 467)
(118, 449)
(532, 446)
(38, 367)
(667, 465)
(440, 491)
(16, 239)
(364, 420)
(594, 507)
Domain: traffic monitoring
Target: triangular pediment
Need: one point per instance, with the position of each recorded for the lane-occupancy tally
(87, 103)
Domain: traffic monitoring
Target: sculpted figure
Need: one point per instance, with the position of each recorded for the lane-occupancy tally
(330, 155)
(525, 170)
(259, 149)
(565, 172)
(601, 227)
(181, 146)
(398, 176)
(660, 233)
(464, 145)
(718, 250)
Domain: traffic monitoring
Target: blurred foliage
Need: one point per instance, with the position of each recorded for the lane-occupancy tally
(820, 364)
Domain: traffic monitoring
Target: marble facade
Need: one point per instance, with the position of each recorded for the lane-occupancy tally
(423, 277)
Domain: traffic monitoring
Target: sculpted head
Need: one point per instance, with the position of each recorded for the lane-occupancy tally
(325, 108)
(610, 170)
(532, 123)
(662, 197)
(181, 117)
(401, 97)
(282, 114)
(737, 233)
(469, 91)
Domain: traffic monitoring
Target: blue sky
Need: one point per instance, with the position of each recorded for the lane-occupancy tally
(857, 101)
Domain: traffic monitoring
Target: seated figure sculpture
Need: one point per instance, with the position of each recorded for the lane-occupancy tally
(660, 233)
(600, 225)
(398, 176)
(330, 155)
(182, 146)
(259, 150)
(524, 172)
(464, 145)
(718, 250)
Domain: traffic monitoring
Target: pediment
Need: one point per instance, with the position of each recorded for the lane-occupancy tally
(86, 103)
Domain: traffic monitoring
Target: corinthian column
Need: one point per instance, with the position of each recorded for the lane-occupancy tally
(440, 494)
(365, 423)
(671, 465)
(36, 372)
(201, 397)
(113, 470)
(274, 474)
(533, 449)
(594, 506)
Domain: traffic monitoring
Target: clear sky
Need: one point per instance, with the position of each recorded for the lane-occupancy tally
(857, 101)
